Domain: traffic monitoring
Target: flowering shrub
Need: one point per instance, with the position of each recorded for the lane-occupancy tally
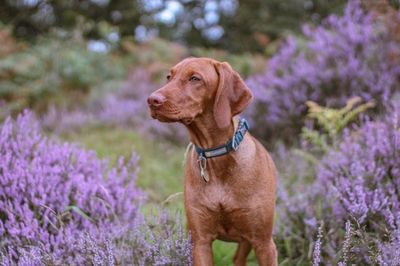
(353, 190)
(363, 177)
(297, 206)
(51, 192)
(363, 173)
(346, 56)
(125, 107)
(160, 241)
(128, 107)
(60, 204)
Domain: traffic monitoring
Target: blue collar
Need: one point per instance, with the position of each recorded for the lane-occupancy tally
(231, 145)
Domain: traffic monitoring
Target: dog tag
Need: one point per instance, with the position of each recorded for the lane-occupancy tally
(204, 175)
(203, 168)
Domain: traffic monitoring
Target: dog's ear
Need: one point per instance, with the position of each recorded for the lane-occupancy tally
(232, 95)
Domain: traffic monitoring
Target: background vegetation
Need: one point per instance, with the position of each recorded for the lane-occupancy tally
(87, 178)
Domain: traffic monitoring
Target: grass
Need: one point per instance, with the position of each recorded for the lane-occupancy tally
(161, 168)
(161, 172)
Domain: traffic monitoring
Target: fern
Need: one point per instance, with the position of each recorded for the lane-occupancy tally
(331, 121)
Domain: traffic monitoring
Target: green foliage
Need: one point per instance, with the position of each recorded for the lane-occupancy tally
(31, 76)
(159, 55)
(332, 121)
(247, 25)
(161, 166)
(60, 69)
(260, 22)
(32, 18)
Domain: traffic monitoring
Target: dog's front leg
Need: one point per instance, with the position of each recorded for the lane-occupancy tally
(202, 252)
(266, 252)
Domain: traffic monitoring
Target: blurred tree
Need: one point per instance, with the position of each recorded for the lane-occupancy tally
(234, 25)
(258, 22)
(32, 17)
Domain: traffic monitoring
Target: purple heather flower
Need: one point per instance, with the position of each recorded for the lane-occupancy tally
(349, 55)
(317, 247)
(346, 245)
(124, 107)
(62, 205)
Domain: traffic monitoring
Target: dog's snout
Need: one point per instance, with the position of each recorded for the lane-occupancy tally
(156, 100)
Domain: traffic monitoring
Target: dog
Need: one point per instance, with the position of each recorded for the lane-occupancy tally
(230, 179)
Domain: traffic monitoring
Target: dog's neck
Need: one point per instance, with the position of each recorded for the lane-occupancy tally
(205, 133)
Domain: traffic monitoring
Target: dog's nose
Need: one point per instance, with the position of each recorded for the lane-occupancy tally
(156, 100)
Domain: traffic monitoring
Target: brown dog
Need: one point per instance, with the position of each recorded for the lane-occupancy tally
(230, 196)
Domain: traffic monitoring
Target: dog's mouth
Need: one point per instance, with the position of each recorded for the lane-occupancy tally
(170, 117)
(162, 117)
(186, 120)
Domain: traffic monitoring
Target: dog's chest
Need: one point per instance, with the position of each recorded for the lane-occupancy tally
(227, 192)
(230, 202)
(228, 209)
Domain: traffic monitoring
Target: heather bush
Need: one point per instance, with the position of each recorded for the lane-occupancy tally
(128, 107)
(162, 240)
(296, 222)
(158, 240)
(50, 192)
(352, 189)
(62, 205)
(124, 107)
(350, 55)
(362, 177)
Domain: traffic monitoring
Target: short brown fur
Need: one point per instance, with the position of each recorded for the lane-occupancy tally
(237, 204)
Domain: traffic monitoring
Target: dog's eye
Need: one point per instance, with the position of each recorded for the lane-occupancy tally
(168, 77)
(194, 78)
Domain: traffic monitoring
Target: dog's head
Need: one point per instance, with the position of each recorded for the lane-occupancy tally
(198, 85)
